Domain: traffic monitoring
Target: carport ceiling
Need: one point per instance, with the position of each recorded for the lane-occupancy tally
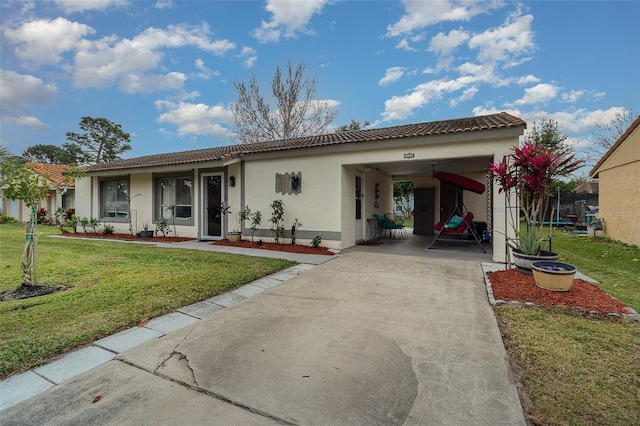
(415, 168)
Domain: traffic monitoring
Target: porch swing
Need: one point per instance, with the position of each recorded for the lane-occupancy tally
(459, 220)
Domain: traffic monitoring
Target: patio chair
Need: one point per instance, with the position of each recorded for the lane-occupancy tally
(389, 225)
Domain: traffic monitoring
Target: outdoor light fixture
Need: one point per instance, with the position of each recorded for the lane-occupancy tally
(232, 181)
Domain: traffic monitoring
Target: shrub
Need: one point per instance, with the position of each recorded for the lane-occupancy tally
(5, 218)
(108, 229)
(315, 242)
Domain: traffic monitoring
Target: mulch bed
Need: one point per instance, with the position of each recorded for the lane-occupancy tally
(127, 237)
(289, 248)
(25, 291)
(511, 285)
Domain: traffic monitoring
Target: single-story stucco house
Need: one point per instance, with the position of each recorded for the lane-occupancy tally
(344, 179)
(618, 173)
(61, 193)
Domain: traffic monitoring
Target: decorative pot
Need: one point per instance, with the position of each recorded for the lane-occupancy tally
(523, 261)
(234, 237)
(556, 276)
(146, 234)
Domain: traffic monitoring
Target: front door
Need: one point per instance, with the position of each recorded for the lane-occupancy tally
(212, 222)
(358, 224)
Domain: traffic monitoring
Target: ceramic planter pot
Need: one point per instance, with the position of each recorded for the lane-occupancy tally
(523, 261)
(556, 276)
(234, 237)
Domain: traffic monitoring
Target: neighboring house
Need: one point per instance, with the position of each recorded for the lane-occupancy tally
(61, 193)
(618, 173)
(345, 178)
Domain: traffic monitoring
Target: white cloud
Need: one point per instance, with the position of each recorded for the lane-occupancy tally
(392, 75)
(288, 17)
(527, 79)
(70, 6)
(420, 14)
(205, 72)
(569, 121)
(505, 43)
(196, 119)
(101, 63)
(249, 56)
(539, 93)
(19, 92)
(164, 4)
(403, 44)
(444, 44)
(467, 95)
(43, 42)
(401, 107)
(143, 83)
(28, 121)
(573, 96)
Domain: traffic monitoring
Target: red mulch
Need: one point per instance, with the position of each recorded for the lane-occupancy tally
(512, 285)
(290, 248)
(128, 237)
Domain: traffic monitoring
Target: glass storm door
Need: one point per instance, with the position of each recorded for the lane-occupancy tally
(212, 217)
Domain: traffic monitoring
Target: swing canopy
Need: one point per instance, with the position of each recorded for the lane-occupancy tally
(464, 182)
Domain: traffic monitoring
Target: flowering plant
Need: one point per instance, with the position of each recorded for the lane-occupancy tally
(529, 173)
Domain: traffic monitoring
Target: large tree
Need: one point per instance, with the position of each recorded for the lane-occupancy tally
(102, 140)
(53, 154)
(297, 112)
(606, 134)
(354, 125)
(548, 134)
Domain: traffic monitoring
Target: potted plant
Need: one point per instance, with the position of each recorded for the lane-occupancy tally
(556, 276)
(146, 232)
(233, 236)
(527, 176)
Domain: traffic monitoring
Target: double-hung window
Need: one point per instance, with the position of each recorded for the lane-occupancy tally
(175, 198)
(114, 198)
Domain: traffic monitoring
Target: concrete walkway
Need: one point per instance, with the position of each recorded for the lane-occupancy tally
(367, 338)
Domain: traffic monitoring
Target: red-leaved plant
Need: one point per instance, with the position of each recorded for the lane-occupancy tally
(530, 171)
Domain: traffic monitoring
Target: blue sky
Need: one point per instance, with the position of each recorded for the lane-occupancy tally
(165, 69)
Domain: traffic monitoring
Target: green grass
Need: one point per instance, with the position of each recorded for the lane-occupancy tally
(614, 264)
(575, 370)
(112, 286)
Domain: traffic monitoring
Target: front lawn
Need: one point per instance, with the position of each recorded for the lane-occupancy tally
(112, 286)
(581, 371)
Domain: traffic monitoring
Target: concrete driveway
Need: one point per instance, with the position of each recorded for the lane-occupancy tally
(365, 339)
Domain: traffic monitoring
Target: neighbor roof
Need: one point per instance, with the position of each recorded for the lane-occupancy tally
(53, 173)
(461, 125)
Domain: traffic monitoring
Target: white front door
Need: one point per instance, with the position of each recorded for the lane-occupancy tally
(212, 222)
(358, 224)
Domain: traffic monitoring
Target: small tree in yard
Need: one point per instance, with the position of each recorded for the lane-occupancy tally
(277, 220)
(26, 185)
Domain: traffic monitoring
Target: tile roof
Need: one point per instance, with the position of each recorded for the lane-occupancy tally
(461, 125)
(53, 172)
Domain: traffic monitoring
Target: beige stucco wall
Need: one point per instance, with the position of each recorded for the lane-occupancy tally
(619, 204)
(619, 186)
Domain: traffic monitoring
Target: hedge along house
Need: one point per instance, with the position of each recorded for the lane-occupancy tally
(343, 179)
